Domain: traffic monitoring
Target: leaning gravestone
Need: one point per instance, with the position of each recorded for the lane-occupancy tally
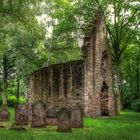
(21, 115)
(76, 117)
(4, 118)
(38, 114)
(50, 117)
(64, 120)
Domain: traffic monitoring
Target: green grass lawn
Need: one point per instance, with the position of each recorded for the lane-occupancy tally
(124, 127)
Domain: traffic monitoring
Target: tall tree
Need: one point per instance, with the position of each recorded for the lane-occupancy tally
(13, 14)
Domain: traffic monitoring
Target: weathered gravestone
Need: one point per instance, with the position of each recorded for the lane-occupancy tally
(21, 115)
(4, 115)
(64, 120)
(76, 117)
(4, 118)
(38, 114)
(50, 117)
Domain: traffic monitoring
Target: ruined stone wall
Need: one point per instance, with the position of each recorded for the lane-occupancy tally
(60, 85)
(99, 94)
(87, 82)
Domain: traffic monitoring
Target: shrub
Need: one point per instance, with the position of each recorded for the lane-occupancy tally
(136, 105)
(22, 100)
(12, 101)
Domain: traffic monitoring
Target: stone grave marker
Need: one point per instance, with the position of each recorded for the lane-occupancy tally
(50, 117)
(64, 120)
(4, 118)
(76, 117)
(21, 115)
(38, 114)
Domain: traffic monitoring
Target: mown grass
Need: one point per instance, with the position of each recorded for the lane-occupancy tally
(124, 127)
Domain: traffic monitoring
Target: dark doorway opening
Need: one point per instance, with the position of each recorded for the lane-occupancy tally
(104, 99)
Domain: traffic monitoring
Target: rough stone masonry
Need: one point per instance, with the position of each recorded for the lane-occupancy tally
(87, 83)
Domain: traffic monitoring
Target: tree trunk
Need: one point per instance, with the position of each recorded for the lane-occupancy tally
(18, 88)
(49, 58)
(137, 76)
(26, 91)
(120, 88)
(117, 104)
(5, 83)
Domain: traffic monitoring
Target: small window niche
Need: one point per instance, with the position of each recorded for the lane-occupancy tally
(104, 60)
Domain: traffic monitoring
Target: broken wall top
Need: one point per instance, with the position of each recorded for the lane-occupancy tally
(98, 18)
(59, 65)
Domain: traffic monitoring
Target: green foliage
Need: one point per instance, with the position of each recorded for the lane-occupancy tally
(20, 36)
(12, 101)
(0, 100)
(136, 105)
(128, 98)
(130, 68)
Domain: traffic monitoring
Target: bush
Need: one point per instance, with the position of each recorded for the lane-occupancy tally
(22, 100)
(136, 105)
(12, 101)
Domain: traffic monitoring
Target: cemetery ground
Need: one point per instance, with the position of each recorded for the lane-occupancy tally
(123, 127)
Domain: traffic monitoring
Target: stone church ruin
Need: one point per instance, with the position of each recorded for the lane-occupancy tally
(87, 83)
